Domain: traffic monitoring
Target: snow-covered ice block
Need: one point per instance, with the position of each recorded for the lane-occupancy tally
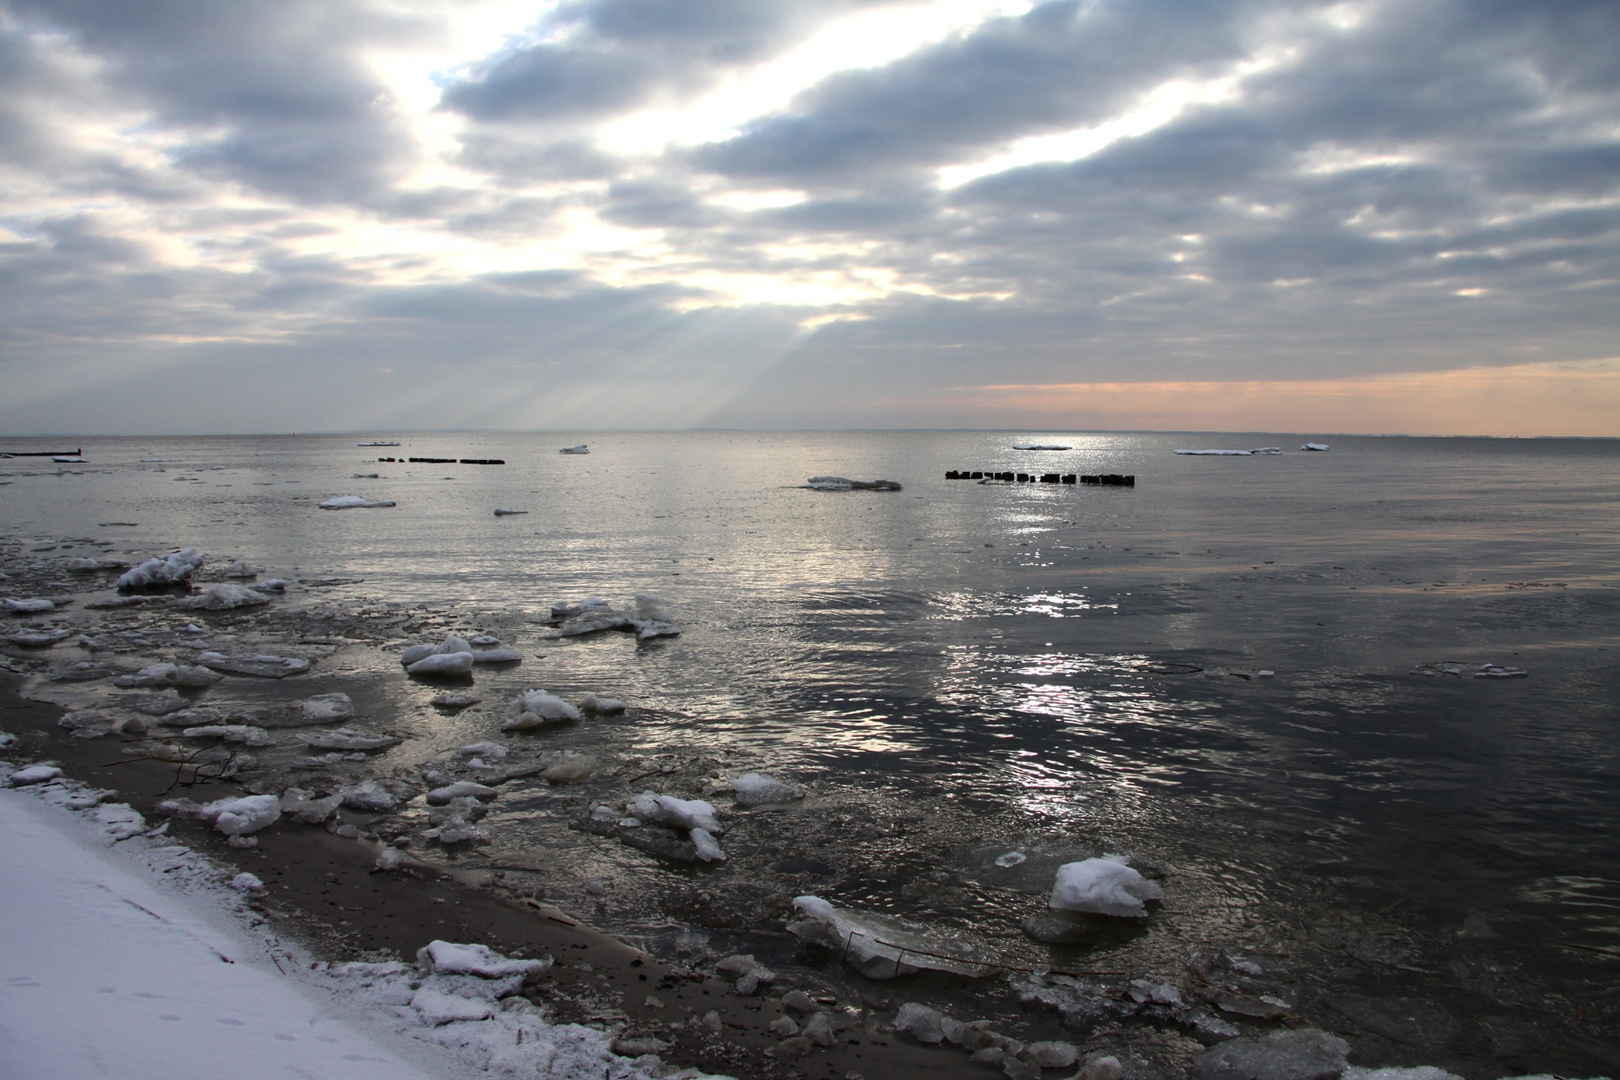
(461, 789)
(681, 813)
(708, 848)
(536, 708)
(437, 1007)
(223, 597)
(454, 663)
(881, 947)
(448, 958)
(246, 734)
(450, 644)
(167, 570)
(1103, 887)
(592, 704)
(371, 797)
(35, 774)
(27, 607)
(757, 789)
(248, 814)
(301, 804)
(352, 502)
(569, 767)
(319, 709)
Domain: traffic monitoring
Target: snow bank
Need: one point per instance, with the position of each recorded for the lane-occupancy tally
(167, 570)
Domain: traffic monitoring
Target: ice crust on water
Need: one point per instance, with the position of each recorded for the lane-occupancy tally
(166, 570)
(352, 502)
(1103, 887)
(881, 947)
(757, 789)
(536, 708)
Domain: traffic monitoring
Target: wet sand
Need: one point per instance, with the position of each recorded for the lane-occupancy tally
(322, 891)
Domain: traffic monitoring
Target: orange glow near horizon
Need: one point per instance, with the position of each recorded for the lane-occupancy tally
(1577, 398)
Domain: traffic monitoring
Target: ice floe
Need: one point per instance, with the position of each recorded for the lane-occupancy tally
(319, 709)
(354, 502)
(94, 724)
(651, 619)
(591, 703)
(843, 483)
(582, 448)
(1316, 446)
(28, 607)
(37, 639)
(246, 734)
(507, 511)
(260, 664)
(882, 947)
(165, 570)
(241, 569)
(169, 675)
(1103, 887)
(347, 739)
(244, 815)
(85, 566)
(461, 789)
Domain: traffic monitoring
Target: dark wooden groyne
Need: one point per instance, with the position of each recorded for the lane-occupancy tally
(1104, 479)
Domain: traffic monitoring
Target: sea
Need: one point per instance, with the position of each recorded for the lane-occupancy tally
(1356, 710)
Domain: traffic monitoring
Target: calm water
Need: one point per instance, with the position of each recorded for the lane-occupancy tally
(956, 670)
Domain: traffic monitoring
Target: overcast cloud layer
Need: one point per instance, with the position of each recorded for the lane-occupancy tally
(339, 214)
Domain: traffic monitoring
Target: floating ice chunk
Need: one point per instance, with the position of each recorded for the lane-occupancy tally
(456, 663)
(922, 1023)
(841, 483)
(319, 709)
(708, 848)
(371, 797)
(1316, 446)
(582, 448)
(240, 568)
(881, 947)
(248, 814)
(354, 502)
(87, 565)
(35, 774)
(461, 789)
(1215, 453)
(347, 739)
(496, 656)
(454, 701)
(35, 639)
(169, 675)
(592, 704)
(757, 789)
(275, 584)
(388, 859)
(569, 768)
(681, 813)
(93, 723)
(536, 708)
(1103, 887)
(456, 831)
(301, 804)
(483, 749)
(27, 607)
(1010, 859)
(246, 734)
(484, 641)
(1305, 1054)
(270, 667)
(167, 570)
(1266, 450)
(507, 511)
(568, 611)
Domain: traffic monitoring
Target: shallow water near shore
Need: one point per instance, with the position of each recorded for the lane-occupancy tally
(954, 671)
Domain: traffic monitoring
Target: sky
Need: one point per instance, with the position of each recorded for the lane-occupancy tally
(393, 215)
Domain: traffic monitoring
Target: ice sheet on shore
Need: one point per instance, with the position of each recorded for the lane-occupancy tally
(166, 570)
(355, 502)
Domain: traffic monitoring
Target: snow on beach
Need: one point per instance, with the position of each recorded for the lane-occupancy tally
(109, 970)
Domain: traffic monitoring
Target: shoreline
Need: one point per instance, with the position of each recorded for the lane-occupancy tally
(322, 891)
